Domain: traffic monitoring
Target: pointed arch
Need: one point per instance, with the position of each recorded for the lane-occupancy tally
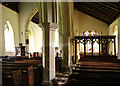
(9, 37)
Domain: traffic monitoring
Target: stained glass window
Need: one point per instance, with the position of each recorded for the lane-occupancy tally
(90, 33)
(89, 45)
(86, 33)
(96, 47)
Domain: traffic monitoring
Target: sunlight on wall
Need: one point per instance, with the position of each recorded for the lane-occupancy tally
(115, 32)
(31, 42)
(35, 38)
(56, 38)
(9, 38)
(41, 37)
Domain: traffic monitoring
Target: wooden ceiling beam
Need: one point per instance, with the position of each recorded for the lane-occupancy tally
(97, 9)
(86, 11)
(109, 7)
(103, 10)
(115, 4)
(102, 16)
(100, 10)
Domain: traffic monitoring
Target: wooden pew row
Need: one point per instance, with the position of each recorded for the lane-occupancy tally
(92, 71)
(96, 77)
(36, 63)
(29, 61)
(97, 67)
(38, 70)
(90, 77)
(89, 81)
(11, 78)
(19, 58)
(97, 64)
(95, 73)
(27, 74)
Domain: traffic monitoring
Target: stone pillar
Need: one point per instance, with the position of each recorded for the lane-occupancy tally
(65, 52)
(70, 52)
(92, 46)
(46, 28)
(114, 46)
(1, 31)
(64, 47)
(1, 42)
(53, 27)
(75, 50)
(119, 38)
(48, 51)
(99, 46)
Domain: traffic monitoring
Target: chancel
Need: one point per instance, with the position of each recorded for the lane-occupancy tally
(59, 43)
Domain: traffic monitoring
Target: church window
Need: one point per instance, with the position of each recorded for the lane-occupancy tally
(89, 45)
(9, 37)
(90, 33)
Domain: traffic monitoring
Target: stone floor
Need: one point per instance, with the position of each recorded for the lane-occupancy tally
(61, 78)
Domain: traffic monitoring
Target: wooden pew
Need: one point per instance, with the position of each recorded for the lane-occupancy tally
(29, 61)
(95, 73)
(27, 74)
(26, 62)
(39, 73)
(95, 79)
(97, 64)
(38, 70)
(11, 78)
(19, 58)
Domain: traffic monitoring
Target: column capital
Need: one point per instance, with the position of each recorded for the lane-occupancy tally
(48, 25)
(64, 35)
(53, 25)
(45, 25)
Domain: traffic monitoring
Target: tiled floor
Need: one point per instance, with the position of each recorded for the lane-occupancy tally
(61, 78)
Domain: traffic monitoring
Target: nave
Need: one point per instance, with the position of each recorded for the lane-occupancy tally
(59, 43)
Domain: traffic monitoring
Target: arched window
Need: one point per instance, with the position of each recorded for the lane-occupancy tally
(9, 37)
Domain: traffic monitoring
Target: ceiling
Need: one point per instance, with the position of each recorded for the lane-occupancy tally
(103, 11)
(11, 5)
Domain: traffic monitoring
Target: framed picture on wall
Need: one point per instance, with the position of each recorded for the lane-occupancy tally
(20, 51)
